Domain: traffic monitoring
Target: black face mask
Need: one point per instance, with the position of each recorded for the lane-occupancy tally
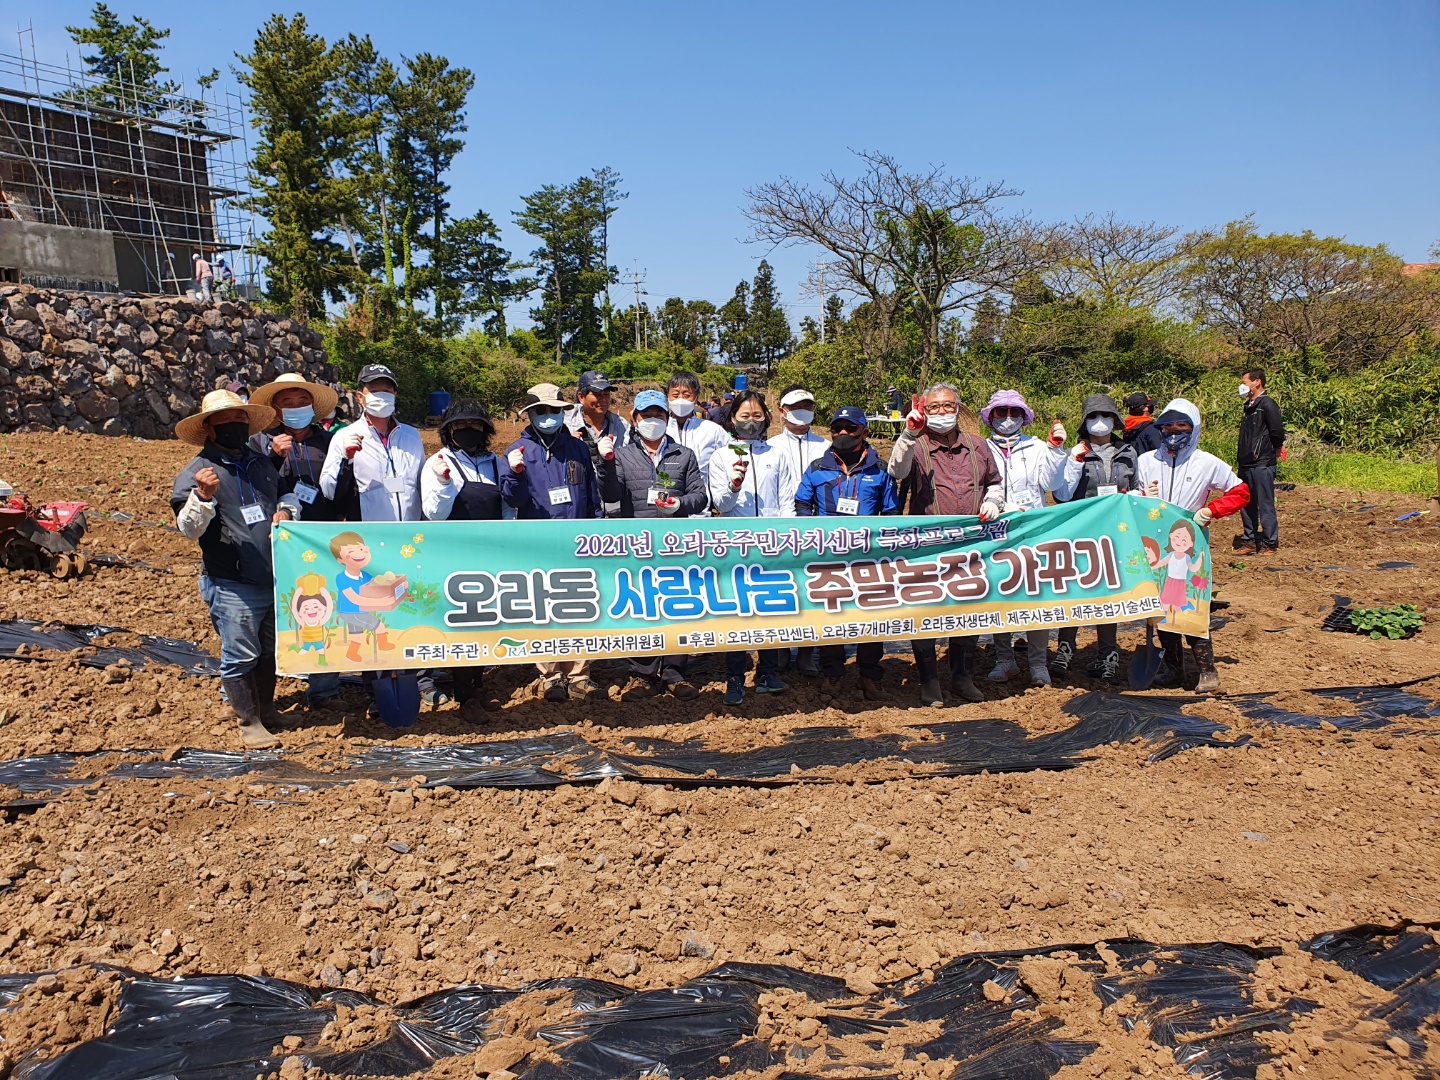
(750, 430)
(844, 442)
(232, 436)
(468, 439)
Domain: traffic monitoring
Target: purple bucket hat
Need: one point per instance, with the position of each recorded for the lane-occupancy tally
(1006, 399)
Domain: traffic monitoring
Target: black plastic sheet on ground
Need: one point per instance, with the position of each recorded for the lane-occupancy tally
(1195, 999)
(1370, 707)
(68, 637)
(948, 749)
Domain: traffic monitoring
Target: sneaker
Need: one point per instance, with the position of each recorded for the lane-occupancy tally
(1107, 667)
(638, 689)
(1003, 672)
(434, 698)
(734, 689)
(1240, 543)
(557, 691)
(1064, 654)
(830, 687)
(587, 690)
(1039, 674)
(808, 664)
(870, 690)
(681, 690)
(769, 684)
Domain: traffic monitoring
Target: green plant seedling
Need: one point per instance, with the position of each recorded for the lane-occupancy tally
(1398, 621)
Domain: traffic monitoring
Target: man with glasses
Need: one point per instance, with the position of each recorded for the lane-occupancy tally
(848, 481)
(944, 471)
(592, 420)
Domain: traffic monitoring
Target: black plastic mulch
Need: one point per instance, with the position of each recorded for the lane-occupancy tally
(68, 637)
(1196, 999)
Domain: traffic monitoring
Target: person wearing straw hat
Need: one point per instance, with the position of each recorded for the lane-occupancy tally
(296, 446)
(226, 499)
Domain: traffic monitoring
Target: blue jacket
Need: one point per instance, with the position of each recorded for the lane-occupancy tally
(566, 465)
(826, 481)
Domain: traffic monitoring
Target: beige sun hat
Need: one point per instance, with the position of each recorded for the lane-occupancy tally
(545, 394)
(192, 429)
(321, 396)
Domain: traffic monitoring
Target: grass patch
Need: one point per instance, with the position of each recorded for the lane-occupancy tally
(1361, 472)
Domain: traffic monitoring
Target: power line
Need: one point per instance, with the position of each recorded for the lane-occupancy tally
(636, 277)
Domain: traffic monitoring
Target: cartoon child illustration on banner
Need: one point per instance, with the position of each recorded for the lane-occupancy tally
(1185, 590)
(360, 597)
(311, 607)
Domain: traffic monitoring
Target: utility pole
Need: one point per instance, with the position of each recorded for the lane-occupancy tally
(636, 277)
(817, 284)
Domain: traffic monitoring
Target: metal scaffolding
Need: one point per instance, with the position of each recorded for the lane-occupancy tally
(162, 173)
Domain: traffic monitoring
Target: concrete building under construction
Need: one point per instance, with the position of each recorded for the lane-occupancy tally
(105, 189)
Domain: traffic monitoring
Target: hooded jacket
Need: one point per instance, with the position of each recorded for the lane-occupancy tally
(563, 466)
(1187, 478)
(827, 481)
(1086, 472)
(1141, 433)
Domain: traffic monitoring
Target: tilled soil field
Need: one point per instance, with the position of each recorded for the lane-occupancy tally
(398, 889)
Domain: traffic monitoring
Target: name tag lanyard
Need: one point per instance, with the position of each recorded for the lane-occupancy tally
(304, 488)
(250, 509)
(854, 495)
(392, 490)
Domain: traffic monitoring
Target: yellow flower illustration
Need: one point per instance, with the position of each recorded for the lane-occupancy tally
(1123, 527)
(419, 538)
(407, 551)
(1155, 514)
(308, 556)
(284, 535)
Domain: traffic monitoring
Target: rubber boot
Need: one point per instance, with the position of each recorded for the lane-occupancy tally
(245, 703)
(1204, 652)
(962, 669)
(264, 675)
(382, 640)
(928, 669)
(353, 652)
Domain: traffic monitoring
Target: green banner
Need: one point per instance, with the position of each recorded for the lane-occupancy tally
(355, 597)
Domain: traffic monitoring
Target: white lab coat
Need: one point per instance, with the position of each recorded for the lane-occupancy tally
(401, 456)
(801, 450)
(762, 494)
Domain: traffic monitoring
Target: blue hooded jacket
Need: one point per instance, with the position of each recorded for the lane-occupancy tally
(826, 482)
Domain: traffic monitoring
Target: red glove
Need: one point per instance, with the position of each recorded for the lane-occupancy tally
(1057, 434)
(1080, 451)
(915, 421)
(1283, 452)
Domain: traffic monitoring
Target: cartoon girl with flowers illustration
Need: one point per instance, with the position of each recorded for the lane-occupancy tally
(1178, 567)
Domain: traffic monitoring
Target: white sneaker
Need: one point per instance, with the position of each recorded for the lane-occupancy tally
(1039, 674)
(1003, 672)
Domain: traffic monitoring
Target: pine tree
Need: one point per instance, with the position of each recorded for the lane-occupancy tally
(126, 63)
(365, 91)
(767, 327)
(295, 167)
(734, 320)
(477, 282)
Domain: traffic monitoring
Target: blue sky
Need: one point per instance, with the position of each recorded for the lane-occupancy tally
(1319, 115)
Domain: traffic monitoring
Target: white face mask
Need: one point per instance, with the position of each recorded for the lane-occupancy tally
(1009, 425)
(940, 423)
(379, 403)
(681, 408)
(1101, 426)
(651, 427)
(1244, 390)
(801, 417)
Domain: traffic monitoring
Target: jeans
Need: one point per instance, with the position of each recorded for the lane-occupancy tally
(322, 685)
(244, 617)
(767, 662)
(1261, 526)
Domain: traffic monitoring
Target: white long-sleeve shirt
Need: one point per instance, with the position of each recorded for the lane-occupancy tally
(762, 494)
(702, 438)
(438, 496)
(1028, 470)
(800, 450)
(387, 472)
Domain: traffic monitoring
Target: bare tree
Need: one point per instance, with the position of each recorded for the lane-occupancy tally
(930, 241)
(1117, 263)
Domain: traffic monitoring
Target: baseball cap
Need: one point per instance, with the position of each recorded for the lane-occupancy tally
(1138, 402)
(850, 413)
(371, 372)
(794, 397)
(545, 394)
(651, 399)
(594, 381)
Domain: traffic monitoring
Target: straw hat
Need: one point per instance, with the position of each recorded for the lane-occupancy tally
(192, 429)
(323, 398)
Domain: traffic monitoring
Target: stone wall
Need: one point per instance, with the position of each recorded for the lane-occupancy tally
(119, 365)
